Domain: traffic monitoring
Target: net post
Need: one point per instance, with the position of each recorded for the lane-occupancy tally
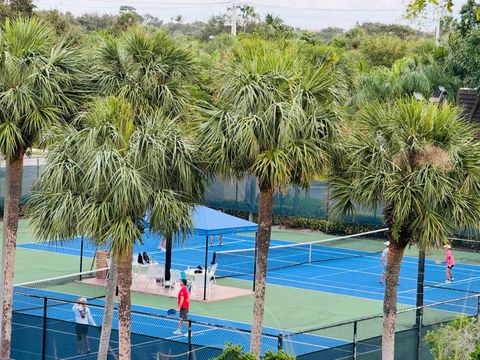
(44, 328)
(354, 342)
(280, 341)
(255, 262)
(310, 253)
(189, 339)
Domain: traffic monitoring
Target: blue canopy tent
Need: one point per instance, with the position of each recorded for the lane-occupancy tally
(208, 222)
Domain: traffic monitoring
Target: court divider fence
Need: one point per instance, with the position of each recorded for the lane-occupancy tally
(363, 337)
(44, 328)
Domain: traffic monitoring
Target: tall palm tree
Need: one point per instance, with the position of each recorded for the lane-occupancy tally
(100, 181)
(422, 162)
(149, 70)
(276, 122)
(39, 83)
(153, 73)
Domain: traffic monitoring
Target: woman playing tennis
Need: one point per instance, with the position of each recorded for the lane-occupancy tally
(450, 262)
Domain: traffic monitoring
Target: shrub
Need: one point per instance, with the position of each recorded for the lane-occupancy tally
(457, 340)
(234, 352)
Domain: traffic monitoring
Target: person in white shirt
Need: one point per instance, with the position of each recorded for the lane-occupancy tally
(383, 261)
(83, 318)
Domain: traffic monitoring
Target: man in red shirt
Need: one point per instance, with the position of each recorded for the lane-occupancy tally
(183, 305)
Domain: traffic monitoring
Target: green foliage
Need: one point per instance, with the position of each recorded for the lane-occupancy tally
(148, 69)
(100, 181)
(475, 355)
(378, 29)
(420, 160)
(278, 117)
(281, 355)
(325, 226)
(465, 59)
(22, 7)
(234, 352)
(456, 340)
(40, 83)
(417, 7)
(384, 50)
(469, 17)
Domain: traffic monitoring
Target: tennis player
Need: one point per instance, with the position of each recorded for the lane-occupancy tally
(383, 261)
(183, 302)
(450, 262)
(83, 318)
(212, 238)
(161, 247)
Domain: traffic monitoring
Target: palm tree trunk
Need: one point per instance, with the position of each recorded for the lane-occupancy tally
(108, 312)
(13, 191)
(124, 304)
(265, 208)
(394, 260)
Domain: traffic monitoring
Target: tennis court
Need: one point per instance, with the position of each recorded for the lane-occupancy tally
(344, 265)
(336, 281)
(149, 323)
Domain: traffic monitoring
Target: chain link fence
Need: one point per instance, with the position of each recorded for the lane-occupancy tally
(45, 328)
(362, 338)
(242, 195)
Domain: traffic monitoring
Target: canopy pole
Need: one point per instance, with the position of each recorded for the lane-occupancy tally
(206, 269)
(255, 263)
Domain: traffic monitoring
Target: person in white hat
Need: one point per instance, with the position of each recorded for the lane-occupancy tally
(83, 318)
(450, 262)
(383, 261)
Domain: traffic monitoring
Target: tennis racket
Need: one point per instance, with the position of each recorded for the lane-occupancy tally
(438, 262)
(171, 312)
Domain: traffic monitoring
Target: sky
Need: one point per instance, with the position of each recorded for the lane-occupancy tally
(306, 14)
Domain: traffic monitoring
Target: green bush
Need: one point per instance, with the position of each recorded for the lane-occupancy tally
(456, 340)
(234, 352)
(277, 356)
(476, 354)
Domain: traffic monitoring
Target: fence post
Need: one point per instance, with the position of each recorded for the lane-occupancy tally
(478, 308)
(355, 339)
(280, 341)
(419, 333)
(44, 329)
(189, 339)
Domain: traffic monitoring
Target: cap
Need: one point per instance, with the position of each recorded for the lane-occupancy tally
(184, 281)
(447, 246)
(386, 243)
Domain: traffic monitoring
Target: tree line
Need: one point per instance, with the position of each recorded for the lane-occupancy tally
(138, 118)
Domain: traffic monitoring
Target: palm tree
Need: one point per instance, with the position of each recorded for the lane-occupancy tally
(39, 82)
(422, 162)
(276, 123)
(153, 74)
(100, 181)
(149, 70)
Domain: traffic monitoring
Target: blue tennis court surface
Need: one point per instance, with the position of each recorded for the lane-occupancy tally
(356, 276)
(144, 322)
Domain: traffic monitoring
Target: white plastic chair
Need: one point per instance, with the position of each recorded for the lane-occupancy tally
(199, 284)
(174, 279)
(155, 272)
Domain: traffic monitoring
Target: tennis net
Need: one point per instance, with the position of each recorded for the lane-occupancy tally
(234, 263)
(29, 295)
